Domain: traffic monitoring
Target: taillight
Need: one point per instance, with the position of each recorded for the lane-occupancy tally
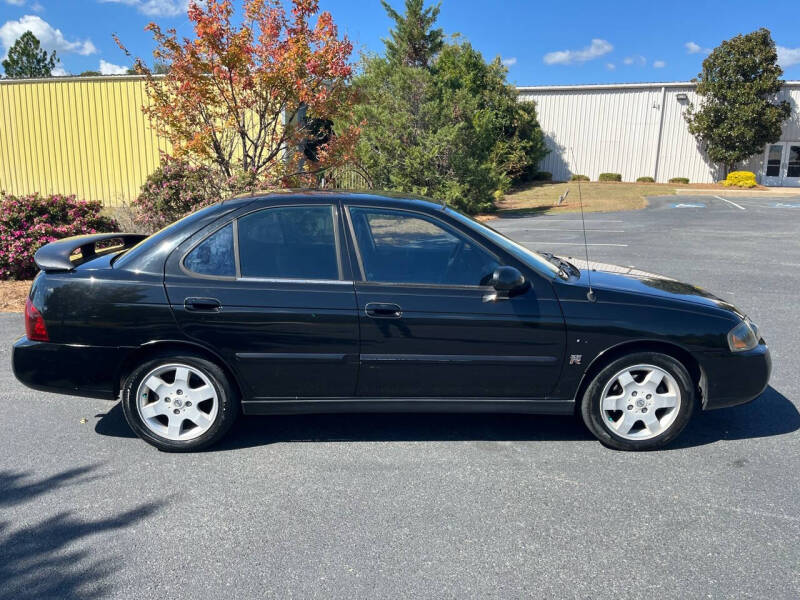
(35, 328)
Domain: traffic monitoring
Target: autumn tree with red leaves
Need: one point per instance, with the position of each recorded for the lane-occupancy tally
(245, 98)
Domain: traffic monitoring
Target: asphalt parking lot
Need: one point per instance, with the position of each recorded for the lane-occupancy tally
(436, 506)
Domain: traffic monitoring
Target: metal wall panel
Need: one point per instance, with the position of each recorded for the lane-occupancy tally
(82, 136)
(615, 128)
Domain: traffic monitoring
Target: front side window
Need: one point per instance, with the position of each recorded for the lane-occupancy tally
(214, 256)
(289, 242)
(398, 246)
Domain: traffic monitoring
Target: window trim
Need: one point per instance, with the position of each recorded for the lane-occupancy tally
(334, 215)
(446, 226)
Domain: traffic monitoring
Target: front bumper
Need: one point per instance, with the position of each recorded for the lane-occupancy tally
(732, 378)
(91, 371)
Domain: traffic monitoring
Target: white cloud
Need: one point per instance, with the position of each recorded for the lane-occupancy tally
(635, 60)
(693, 48)
(596, 49)
(788, 57)
(510, 61)
(659, 64)
(59, 71)
(50, 37)
(107, 68)
(34, 5)
(611, 66)
(156, 8)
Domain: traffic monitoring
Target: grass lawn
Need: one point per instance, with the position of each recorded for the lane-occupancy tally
(597, 197)
(13, 295)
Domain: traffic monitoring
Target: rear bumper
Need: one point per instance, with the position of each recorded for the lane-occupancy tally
(91, 371)
(735, 378)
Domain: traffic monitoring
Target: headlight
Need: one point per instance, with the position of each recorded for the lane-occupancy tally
(743, 337)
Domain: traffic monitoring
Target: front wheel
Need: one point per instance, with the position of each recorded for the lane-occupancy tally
(179, 403)
(639, 402)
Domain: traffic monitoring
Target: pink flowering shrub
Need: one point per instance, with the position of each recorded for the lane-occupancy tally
(29, 222)
(172, 191)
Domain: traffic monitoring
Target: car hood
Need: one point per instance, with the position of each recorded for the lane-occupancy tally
(605, 276)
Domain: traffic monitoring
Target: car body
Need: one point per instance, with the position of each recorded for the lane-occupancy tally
(328, 301)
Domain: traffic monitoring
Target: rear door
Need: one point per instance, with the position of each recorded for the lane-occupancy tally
(271, 292)
(429, 326)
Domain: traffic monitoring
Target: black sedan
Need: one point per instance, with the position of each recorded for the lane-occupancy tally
(324, 302)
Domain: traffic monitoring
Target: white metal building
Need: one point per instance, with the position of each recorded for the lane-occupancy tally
(639, 130)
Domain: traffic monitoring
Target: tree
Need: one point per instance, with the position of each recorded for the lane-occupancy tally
(234, 95)
(739, 113)
(453, 129)
(27, 60)
(413, 42)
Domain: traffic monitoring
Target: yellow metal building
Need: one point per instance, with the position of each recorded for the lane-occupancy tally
(76, 135)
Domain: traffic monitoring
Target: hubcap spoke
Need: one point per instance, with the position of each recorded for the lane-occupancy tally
(653, 379)
(668, 400)
(156, 384)
(651, 422)
(153, 410)
(613, 402)
(199, 418)
(204, 392)
(174, 427)
(624, 425)
(182, 376)
(625, 379)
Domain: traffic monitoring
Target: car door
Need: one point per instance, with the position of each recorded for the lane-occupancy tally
(429, 324)
(270, 292)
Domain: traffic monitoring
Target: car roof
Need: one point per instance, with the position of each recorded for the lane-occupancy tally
(394, 199)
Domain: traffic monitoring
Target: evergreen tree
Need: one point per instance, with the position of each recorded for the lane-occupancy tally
(413, 42)
(27, 60)
(739, 113)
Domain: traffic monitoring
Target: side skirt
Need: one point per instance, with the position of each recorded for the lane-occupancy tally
(293, 406)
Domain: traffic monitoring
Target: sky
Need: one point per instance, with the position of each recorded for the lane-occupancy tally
(542, 43)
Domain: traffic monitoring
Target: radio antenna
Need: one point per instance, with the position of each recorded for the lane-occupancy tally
(590, 295)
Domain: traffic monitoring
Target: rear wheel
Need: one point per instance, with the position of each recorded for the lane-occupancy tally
(639, 402)
(179, 403)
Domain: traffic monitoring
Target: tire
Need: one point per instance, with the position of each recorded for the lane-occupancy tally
(626, 409)
(179, 402)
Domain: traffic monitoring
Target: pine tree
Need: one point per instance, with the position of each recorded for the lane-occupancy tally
(413, 42)
(27, 60)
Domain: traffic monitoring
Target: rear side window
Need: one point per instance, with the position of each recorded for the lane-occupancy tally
(289, 242)
(214, 256)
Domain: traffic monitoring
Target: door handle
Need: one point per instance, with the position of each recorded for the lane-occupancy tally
(379, 310)
(202, 304)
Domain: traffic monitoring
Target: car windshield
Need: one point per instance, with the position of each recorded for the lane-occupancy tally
(529, 257)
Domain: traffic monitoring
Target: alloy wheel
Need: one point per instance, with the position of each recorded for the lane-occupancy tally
(177, 402)
(640, 402)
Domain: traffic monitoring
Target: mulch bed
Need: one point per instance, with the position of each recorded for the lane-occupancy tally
(13, 295)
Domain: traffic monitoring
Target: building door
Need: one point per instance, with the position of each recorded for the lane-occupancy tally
(782, 164)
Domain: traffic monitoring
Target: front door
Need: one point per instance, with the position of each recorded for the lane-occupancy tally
(429, 326)
(269, 293)
(782, 164)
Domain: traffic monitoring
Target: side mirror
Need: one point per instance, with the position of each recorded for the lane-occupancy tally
(508, 281)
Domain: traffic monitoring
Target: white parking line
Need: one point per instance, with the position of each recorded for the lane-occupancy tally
(540, 244)
(588, 230)
(730, 202)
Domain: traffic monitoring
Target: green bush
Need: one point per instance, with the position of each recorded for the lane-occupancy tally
(29, 222)
(683, 180)
(609, 177)
(645, 179)
(172, 191)
(543, 176)
(577, 177)
(742, 179)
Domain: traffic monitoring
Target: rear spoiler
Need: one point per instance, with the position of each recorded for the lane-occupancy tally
(66, 254)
